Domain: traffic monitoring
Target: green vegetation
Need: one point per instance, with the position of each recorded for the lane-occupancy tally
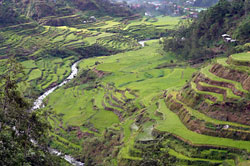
(127, 72)
(201, 116)
(19, 126)
(159, 22)
(241, 57)
(43, 73)
(131, 76)
(129, 104)
(229, 92)
(202, 39)
(219, 97)
(208, 74)
(173, 125)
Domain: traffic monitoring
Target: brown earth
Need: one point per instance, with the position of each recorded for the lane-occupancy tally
(231, 74)
(118, 113)
(240, 63)
(201, 126)
(234, 111)
(98, 72)
(201, 78)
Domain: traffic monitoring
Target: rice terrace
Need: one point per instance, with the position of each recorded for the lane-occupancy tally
(133, 83)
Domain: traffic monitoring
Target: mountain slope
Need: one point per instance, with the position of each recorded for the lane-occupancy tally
(37, 9)
(203, 37)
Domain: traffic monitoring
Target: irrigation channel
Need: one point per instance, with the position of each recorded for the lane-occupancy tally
(39, 104)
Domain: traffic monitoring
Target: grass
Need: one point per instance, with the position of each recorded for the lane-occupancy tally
(146, 134)
(171, 22)
(223, 62)
(245, 57)
(133, 70)
(202, 116)
(92, 40)
(183, 157)
(129, 139)
(102, 119)
(136, 70)
(168, 22)
(219, 97)
(210, 75)
(77, 114)
(109, 24)
(229, 92)
(71, 106)
(173, 124)
(42, 73)
(34, 74)
(29, 64)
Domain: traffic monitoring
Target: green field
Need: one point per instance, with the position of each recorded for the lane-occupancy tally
(118, 97)
(219, 97)
(160, 21)
(173, 125)
(137, 71)
(202, 116)
(128, 71)
(210, 75)
(241, 57)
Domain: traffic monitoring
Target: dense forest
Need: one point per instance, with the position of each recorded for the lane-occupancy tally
(17, 11)
(19, 126)
(203, 37)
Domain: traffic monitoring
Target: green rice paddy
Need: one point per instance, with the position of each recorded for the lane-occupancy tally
(210, 75)
(129, 79)
(173, 124)
(241, 56)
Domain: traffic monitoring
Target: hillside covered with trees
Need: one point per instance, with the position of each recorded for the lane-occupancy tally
(13, 11)
(203, 37)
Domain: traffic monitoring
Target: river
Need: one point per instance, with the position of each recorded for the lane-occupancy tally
(39, 104)
(39, 101)
(142, 43)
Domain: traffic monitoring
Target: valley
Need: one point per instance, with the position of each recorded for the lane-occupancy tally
(127, 89)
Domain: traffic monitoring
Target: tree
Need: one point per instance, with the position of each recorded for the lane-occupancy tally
(19, 127)
(247, 7)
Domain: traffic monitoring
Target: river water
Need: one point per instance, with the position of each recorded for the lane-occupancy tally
(39, 104)
(142, 43)
(39, 101)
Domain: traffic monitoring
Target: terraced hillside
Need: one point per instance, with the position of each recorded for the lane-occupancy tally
(108, 95)
(47, 9)
(127, 107)
(47, 52)
(128, 102)
(204, 123)
(208, 116)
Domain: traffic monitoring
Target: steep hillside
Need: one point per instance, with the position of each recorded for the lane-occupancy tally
(124, 111)
(203, 37)
(204, 121)
(48, 51)
(37, 9)
(131, 103)
(8, 16)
